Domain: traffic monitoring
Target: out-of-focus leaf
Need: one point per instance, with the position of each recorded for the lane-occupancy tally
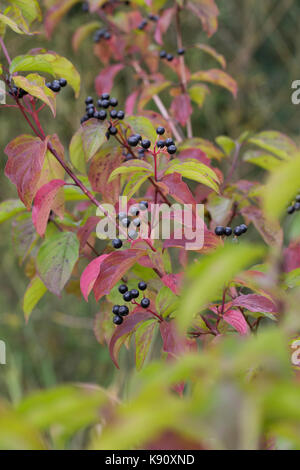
(217, 77)
(198, 93)
(255, 303)
(16, 433)
(10, 208)
(236, 319)
(270, 230)
(56, 13)
(14, 21)
(213, 53)
(220, 267)
(207, 147)
(181, 108)
(56, 259)
(207, 11)
(30, 9)
(163, 24)
(133, 185)
(82, 32)
(150, 91)
(33, 294)
(226, 144)
(105, 79)
(275, 142)
(262, 159)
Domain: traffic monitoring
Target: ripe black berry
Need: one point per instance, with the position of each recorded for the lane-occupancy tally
(172, 149)
(143, 24)
(120, 114)
(113, 130)
(169, 142)
(55, 86)
(145, 303)
(117, 320)
(115, 309)
(125, 222)
(63, 82)
(127, 296)
(153, 17)
(181, 51)
(160, 130)
(89, 100)
(298, 198)
(96, 115)
(122, 288)
(113, 102)
(134, 210)
(123, 310)
(228, 231)
(134, 293)
(105, 103)
(163, 54)
(117, 243)
(105, 96)
(238, 231)
(290, 209)
(113, 114)
(132, 234)
(84, 118)
(133, 141)
(219, 231)
(160, 144)
(142, 285)
(141, 153)
(244, 228)
(136, 222)
(107, 35)
(102, 114)
(170, 57)
(145, 144)
(90, 112)
(144, 205)
(297, 206)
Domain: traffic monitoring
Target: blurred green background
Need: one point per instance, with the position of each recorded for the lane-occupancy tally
(259, 39)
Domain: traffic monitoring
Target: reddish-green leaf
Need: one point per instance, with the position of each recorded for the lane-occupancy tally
(56, 13)
(82, 32)
(49, 197)
(105, 80)
(90, 274)
(26, 156)
(236, 319)
(143, 338)
(255, 303)
(181, 108)
(35, 85)
(208, 13)
(217, 77)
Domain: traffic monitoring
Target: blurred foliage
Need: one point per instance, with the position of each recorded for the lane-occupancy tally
(259, 41)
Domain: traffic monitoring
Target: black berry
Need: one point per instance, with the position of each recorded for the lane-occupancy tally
(219, 231)
(123, 310)
(113, 114)
(113, 130)
(170, 57)
(127, 296)
(172, 149)
(181, 51)
(115, 309)
(144, 205)
(63, 82)
(107, 35)
(117, 243)
(297, 206)
(89, 100)
(160, 144)
(244, 228)
(55, 86)
(123, 288)
(136, 222)
(290, 209)
(113, 102)
(238, 231)
(117, 320)
(163, 54)
(102, 114)
(132, 234)
(160, 130)
(145, 303)
(298, 198)
(133, 141)
(134, 293)
(125, 222)
(142, 285)
(228, 231)
(134, 210)
(105, 103)
(120, 114)
(145, 144)
(105, 96)
(169, 142)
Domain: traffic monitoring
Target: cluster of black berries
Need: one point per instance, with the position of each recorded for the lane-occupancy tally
(102, 33)
(144, 22)
(135, 139)
(103, 103)
(128, 220)
(17, 92)
(295, 206)
(164, 55)
(56, 85)
(121, 311)
(227, 231)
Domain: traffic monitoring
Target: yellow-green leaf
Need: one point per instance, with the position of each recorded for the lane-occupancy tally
(35, 85)
(33, 294)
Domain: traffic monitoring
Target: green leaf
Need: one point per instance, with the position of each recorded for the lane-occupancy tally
(143, 338)
(36, 86)
(134, 184)
(48, 62)
(217, 77)
(213, 53)
(292, 278)
(166, 301)
(194, 170)
(206, 146)
(208, 276)
(86, 142)
(198, 94)
(141, 125)
(14, 20)
(24, 235)
(133, 166)
(33, 294)
(281, 188)
(226, 144)
(275, 142)
(30, 9)
(10, 208)
(56, 259)
(262, 159)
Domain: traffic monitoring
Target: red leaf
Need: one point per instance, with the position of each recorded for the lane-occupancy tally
(174, 343)
(90, 274)
(45, 200)
(26, 156)
(208, 13)
(55, 14)
(100, 169)
(292, 256)
(128, 326)
(173, 281)
(236, 319)
(255, 303)
(113, 268)
(163, 24)
(85, 231)
(181, 108)
(130, 102)
(178, 189)
(105, 80)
